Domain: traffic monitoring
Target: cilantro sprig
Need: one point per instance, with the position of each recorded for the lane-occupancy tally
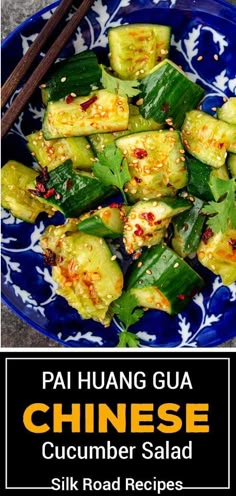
(119, 86)
(222, 211)
(125, 307)
(112, 169)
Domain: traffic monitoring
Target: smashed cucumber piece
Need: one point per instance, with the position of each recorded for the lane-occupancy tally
(207, 138)
(156, 163)
(147, 221)
(107, 222)
(16, 178)
(87, 275)
(51, 153)
(161, 280)
(99, 112)
(136, 48)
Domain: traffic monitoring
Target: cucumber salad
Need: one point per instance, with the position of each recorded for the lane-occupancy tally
(139, 172)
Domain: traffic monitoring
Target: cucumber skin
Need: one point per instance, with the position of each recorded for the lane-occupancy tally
(94, 226)
(161, 104)
(81, 71)
(186, 241)
(199, 176)
(85, 193)
(171, 281)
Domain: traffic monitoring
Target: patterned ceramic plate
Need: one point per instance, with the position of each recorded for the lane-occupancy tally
(207, 29)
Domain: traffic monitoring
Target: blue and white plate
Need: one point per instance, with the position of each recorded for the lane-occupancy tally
(200, 28)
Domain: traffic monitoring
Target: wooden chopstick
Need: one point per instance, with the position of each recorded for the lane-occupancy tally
(36, 77)
(22, 67)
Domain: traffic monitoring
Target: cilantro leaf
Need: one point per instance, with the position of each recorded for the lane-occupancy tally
(125, 308)
(223, 209)
(128, 339)
(112, 169)
(119, 86)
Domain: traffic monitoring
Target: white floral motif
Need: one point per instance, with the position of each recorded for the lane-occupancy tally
(188, 47)
(207, 319)
(88, 336)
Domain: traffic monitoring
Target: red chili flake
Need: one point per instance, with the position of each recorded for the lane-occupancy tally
(169, 185)
(40, 188)
(232, 243)
(69, 99)
(114, 205)
(181, 296)
(139, 230)
(148, 216)
(159, 59)
(220, 145)
(207, 235)
(50, 192)
(138, 179)
(34, 192)
(140, 153)
(49, 257)
(89, 102)
(158, 222)
(165, 107)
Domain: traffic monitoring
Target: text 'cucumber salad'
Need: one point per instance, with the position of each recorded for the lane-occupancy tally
(134, 129)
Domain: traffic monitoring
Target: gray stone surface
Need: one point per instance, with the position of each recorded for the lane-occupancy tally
(16, 333)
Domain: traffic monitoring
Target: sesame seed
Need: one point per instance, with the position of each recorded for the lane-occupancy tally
(139, 102)
(140, 264)
(43, 86)
(216, 57)
(99, 208)
(176, 265)
(63, 79)
(101, 241)
(181, 150)
(213, 108)
(113, 257)
(94, 88)
(140, 281)
(213, 267)
(191, 198)
(149, 272)
(154, 204)
(200, 58)
(73, 95)
(224, 99)
(88, 146)
(109, 296)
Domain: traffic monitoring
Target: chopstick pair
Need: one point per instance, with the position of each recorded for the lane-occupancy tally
(36, 77)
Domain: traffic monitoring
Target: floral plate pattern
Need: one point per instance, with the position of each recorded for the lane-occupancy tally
(201, 28)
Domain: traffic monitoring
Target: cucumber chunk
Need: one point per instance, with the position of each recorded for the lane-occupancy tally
(227, 112)
(71, 192)
(51, 153)
(99, 112)
(147, 221)
(15, 197)
(206, 138)
(161, 280)
(156, 163)
(136, 48)
(199, 178)
(219, 255)
(77, 75)
(86, 275)
(188, 228)
(168, 94)
(107, 222)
